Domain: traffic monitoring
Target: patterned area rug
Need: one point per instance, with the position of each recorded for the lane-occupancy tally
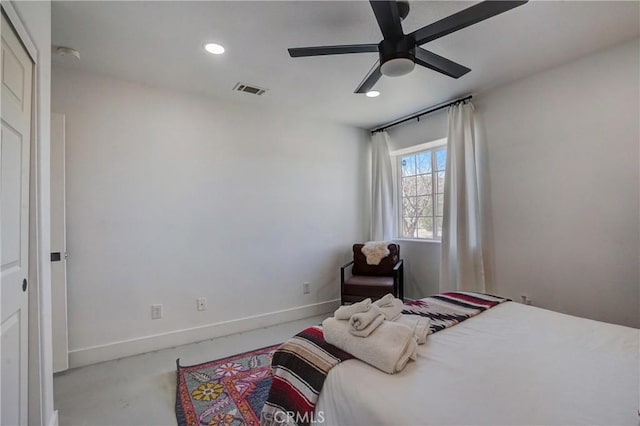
(229, 391)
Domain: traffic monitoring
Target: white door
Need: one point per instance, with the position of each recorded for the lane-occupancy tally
(15, 114)
(58, 247)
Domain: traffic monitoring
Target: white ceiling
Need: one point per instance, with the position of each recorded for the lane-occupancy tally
(160, 43)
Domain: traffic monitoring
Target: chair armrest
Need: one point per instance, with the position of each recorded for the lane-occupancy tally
(342, 268)
(398, 265)
(398, 279)
(346, 265)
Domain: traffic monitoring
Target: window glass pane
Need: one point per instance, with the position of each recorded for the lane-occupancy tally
(440, 189)
(408, 165)
(407, 206)
(427, 206)
(416, 206)
(409, 227)
(441, 159)
(423, 162)
(423, 204)
(439, 226)
(425, 227)
(440, 206)
(424, 184)
(422, 179)
(409, 186)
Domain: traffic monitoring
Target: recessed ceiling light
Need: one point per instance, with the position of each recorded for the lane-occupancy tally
(373, 93)
(214, 48)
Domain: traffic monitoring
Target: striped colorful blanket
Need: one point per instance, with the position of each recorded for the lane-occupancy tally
(447, 309)
(300, 366)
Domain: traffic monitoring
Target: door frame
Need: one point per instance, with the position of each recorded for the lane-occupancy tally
(40, 376)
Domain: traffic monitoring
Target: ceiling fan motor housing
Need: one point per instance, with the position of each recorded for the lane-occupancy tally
(397, 56)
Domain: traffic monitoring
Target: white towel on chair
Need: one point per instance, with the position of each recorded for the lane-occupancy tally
(347, 311)
(420, 326)
(375, 251)
(388, 348)
(391, 310)
(364, 323)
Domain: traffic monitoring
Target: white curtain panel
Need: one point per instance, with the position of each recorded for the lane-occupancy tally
(383, 221)
(461, 262)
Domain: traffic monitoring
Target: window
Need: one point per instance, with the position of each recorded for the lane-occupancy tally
(421, 193)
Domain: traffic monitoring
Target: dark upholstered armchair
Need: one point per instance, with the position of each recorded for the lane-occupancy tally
(372, 281)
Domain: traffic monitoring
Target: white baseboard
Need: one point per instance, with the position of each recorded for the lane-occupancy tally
(53, 421)
(121, 349)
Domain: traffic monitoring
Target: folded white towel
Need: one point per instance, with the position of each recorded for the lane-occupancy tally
(420, 326)
(388, 348)
(391, 311)
(385, 300)
(423, 329)
(361, 320)
(347, 311)
(375, 251)
(364, 323)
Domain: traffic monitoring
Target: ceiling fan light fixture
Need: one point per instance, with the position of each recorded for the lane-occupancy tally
(397, 67)
(373, 93)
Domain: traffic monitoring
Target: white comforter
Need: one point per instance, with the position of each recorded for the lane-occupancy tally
(511, 365)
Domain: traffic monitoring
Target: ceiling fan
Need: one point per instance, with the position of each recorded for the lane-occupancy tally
(400, 52)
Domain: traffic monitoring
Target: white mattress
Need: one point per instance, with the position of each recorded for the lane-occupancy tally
(511, 365)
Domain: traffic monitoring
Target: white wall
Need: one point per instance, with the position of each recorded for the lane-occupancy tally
(421, 267)
(430, 128)
(563, 166)
(563, 169)
(171, 197)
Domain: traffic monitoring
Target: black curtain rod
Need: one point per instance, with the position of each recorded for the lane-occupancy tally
(420, 114)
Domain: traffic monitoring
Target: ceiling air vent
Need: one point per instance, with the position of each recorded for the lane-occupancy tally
(254, 90)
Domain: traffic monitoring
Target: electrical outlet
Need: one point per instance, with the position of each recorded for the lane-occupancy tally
(156, 311)
(306, 288)
(202, 303)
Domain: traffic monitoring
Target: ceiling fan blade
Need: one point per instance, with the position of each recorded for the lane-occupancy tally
(438, 63)
(463, 19)
(370, 80)
(332, 50)
(388, 18)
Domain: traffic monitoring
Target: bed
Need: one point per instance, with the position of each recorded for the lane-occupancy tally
(511, 365)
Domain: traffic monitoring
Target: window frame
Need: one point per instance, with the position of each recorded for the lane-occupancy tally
(432, 147)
